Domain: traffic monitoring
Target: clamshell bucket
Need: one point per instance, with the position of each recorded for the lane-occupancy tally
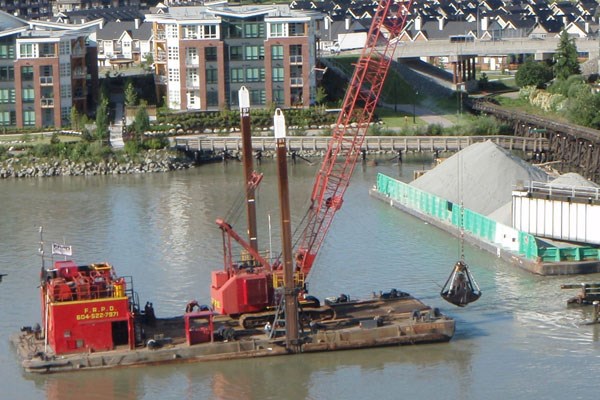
(460, 288)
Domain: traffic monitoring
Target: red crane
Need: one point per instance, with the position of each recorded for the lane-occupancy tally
(249, 286)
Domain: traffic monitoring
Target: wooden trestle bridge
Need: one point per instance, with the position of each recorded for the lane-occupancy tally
(572, 148)
(220, 144)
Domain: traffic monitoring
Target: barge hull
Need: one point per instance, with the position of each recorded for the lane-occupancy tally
(401, 321)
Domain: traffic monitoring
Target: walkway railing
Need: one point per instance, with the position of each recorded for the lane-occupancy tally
(371, 143)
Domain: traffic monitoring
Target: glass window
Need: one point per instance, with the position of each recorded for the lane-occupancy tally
(7, 96)
(236, 53)
(237, 75)
(171, 31)
(212, 98)
(173, 53)
(190, 31)
(212, 75)
(276, 29)
(254, 30)
(173, 75)
(65, 91)
(278, 96)
(252, 74)
(7, 51)
(65, 48)
(276, 52)
(28, 95)
(210, 53)
(257, 97)
(192, 55)
(254, 53)
(29, 118)
(278, 74)
(5, 118)
(65, 69)
(26, 50)
(27, 73)
(7, 73)
(65, 114)
(209, 32)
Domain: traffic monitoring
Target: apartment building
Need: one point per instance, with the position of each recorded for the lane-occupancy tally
(204, 54)
(30, 9)
(45, 69)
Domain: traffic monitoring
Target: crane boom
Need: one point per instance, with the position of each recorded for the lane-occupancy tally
(351, 127)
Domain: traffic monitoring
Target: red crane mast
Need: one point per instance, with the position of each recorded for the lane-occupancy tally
(351, 127)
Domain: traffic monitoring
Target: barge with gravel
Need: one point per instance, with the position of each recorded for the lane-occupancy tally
(496, 201)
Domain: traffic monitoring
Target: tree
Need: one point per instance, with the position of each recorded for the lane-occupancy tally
(102, 119)
(565, 59)
(533, 73)
(130, 94)
(74, 118)
(320, 95)
(141, 124)
(583, 106)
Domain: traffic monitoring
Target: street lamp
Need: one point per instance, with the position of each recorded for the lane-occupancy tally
(414, 103)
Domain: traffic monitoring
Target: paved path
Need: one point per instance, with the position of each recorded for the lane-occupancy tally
(116, 128)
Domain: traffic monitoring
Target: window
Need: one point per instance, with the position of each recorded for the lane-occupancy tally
(192, 55)
(174, 98)
(257, 97)
(210, 53)
(253, 75)
(190, 31)
(278, 96)
(65, 48)
(278, 74)
(65, 113)
(65, 91)
(192, 76)
(173, 75)
(7, 73)
(296, 50)
(254, 53)
(236, 53)
(7, 96)
(212, 98)
(27, 50)
(7, 51)
(297, 29)
(277, 30)
(209, 32)
(212, 75)
(28, 95)
(27, 73)
(5, 118)
(46, 70)
(276, 52)
(171, 31)
(65, 69)
(173, 52)
(29, 118)
(237, 75)
(254, 30)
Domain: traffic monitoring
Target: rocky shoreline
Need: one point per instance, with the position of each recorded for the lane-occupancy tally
(150, 162)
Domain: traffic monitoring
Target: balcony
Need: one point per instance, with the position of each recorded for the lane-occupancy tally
(296, 60)
(47, 102)
(161, 56)
(46, 80)
(192, 85)
(160, 79)
(296, 82)
(160, 36)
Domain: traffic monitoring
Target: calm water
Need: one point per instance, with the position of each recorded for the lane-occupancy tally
(519, 341)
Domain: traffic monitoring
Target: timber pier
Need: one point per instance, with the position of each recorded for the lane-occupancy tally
(219, 144)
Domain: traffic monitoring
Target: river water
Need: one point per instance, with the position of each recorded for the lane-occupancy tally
(519, 341)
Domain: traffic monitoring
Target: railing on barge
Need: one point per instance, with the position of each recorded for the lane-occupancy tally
(371, 143)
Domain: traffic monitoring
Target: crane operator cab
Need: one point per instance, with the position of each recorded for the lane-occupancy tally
(460, 288)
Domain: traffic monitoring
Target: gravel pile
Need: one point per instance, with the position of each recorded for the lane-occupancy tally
(483, 176)
(573, 179)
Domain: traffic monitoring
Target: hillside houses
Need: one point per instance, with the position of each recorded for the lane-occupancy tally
(481, 19)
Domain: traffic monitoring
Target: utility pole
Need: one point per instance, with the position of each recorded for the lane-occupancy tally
(290, 294)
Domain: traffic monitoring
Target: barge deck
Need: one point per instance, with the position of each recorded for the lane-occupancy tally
(357, 324)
